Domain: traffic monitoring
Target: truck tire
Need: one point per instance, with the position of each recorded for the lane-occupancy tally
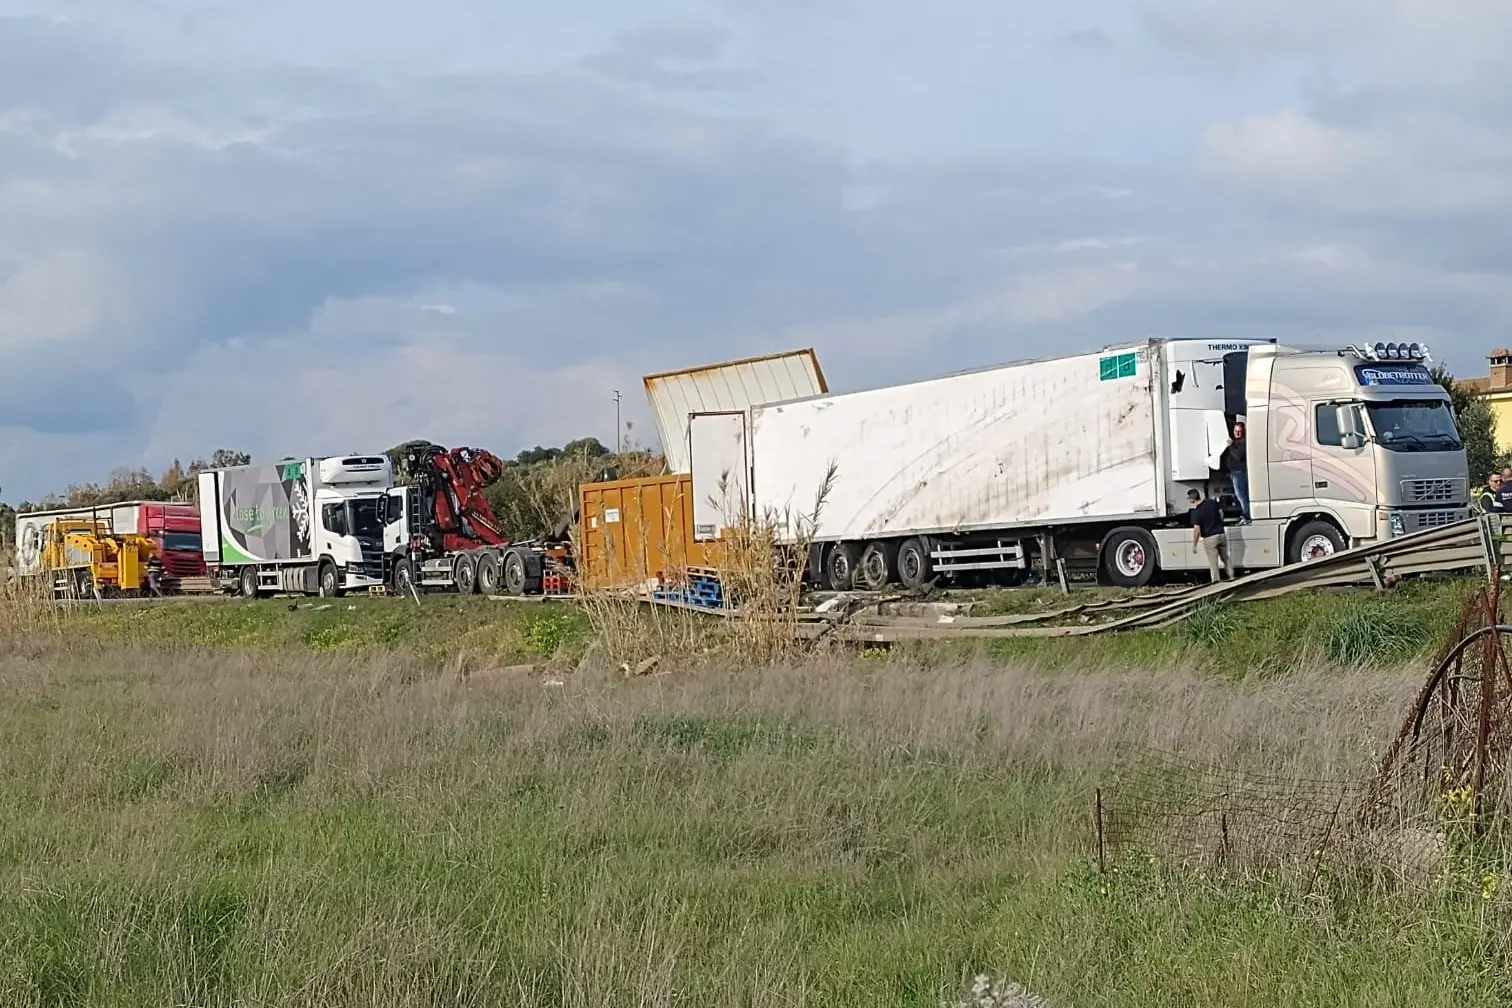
(1130, 557)
(329, 583)
(247, 582)
(840, 566)
(878, 566)
(518, 577)
(913, 564)
(465, 573)
(1313, 541)
(403, 578)
(488, 572)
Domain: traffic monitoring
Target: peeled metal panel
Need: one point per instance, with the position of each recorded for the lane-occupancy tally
(716, 388)
(1072, 439)
(720, 472)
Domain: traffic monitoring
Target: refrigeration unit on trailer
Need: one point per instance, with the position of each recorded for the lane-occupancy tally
(1087, 459)
(301, 525)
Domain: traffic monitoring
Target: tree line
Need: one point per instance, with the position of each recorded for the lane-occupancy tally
(539, 485)
(535, 492)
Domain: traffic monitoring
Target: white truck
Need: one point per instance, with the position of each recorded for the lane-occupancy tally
(306, 526)
(1087, 460)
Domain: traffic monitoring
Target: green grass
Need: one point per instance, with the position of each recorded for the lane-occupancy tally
(280, 828)
(442, 626)
(1269, 636)
(1244, 639)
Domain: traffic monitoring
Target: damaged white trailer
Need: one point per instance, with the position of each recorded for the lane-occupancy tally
(1087, 459)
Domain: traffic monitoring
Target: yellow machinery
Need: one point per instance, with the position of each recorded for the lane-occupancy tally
(87, 560)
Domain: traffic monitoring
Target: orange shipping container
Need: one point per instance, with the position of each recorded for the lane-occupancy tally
(636, 530)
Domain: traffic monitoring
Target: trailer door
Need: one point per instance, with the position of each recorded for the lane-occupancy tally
(720, 460)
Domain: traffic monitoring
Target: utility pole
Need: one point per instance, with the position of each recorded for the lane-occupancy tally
(618, 437)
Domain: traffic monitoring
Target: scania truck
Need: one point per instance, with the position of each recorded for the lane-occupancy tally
(1083, 463)
(305, 526)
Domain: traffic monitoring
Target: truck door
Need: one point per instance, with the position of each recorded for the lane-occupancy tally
(1343, 468)
(396, 526)
(720, 459)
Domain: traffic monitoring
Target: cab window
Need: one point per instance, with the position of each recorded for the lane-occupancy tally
(1326, 419)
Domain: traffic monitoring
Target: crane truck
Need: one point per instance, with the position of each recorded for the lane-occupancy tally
(1084, 462)
(441, 532)
(332, 525)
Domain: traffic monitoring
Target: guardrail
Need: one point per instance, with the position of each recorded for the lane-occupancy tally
(1473, 544)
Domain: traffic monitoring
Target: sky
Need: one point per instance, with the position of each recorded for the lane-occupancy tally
(314, 227)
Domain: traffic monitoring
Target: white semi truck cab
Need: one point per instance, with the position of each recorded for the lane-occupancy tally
(1344, 447)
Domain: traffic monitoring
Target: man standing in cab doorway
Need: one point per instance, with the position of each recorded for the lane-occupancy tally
(1209, 536)
(1236, 464)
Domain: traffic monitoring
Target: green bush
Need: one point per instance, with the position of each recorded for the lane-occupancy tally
(1373, 633)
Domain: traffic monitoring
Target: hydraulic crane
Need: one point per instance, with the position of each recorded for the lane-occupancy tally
(452, 538)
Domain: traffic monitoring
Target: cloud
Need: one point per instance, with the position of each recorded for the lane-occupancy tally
(1287, 148)
(670, 54)
(242, 251)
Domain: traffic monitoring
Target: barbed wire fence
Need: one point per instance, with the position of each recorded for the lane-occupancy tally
(1444, 781)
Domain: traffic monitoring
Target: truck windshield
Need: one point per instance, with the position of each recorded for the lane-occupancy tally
(182, 542)
(1414, 425)
(366, 517)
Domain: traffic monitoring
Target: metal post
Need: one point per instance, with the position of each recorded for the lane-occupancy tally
(1102, 861)
(618, 436)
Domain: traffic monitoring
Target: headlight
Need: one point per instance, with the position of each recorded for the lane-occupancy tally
(1396, 525)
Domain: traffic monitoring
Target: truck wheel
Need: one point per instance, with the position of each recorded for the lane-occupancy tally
(247, 582)
(915, 568)
(403, 578)
(1130, 557)
(1314, 541)
(330, 582)
(878, 566)
(488, 573)
(840, 566)
(465, 573)
(517, 579)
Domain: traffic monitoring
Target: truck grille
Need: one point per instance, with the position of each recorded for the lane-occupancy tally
(1416, 521)
(1432, 491)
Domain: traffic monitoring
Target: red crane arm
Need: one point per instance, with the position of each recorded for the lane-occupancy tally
(454, 480)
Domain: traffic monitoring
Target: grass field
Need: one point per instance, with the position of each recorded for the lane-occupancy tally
(247, 806)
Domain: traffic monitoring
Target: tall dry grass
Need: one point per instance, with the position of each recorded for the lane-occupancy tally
(227, 829)
(26, 604)
(760, 563)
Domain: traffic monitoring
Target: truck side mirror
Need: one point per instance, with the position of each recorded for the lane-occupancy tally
(1348, 419)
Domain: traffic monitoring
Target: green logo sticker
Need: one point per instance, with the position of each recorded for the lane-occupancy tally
(1117, 366)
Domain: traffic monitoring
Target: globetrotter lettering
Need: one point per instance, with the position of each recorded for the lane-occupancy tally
(1394, 376)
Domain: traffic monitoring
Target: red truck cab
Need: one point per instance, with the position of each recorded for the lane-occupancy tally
(173, 528)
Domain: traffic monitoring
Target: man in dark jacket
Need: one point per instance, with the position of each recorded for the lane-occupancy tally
(155, 575)
(1492, 499)
(1208, 535)
(1235, 462)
